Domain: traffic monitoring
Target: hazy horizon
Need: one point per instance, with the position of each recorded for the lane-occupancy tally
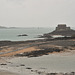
(37, 13)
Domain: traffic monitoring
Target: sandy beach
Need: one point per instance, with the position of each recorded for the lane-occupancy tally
(52, 63)
(52, 57)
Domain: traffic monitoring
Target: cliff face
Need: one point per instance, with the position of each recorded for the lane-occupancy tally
(61, 29)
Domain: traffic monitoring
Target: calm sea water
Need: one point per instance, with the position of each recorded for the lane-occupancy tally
(12, 34)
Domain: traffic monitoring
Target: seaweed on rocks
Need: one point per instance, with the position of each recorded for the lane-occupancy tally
(41, 52)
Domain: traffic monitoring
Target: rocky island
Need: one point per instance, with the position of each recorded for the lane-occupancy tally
(61, 30)
(23, 35)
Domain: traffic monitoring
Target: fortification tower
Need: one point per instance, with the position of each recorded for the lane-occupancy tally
(62, 27)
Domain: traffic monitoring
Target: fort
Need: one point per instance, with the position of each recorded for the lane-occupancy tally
(61, 30)
(62, 27)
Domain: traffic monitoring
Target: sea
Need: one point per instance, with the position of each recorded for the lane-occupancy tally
(11, 34)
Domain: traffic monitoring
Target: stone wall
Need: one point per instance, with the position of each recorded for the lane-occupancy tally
(62, 27)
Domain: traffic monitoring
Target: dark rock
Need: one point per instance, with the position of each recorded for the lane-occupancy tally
(23, 35)
(17, 66)
(39, 72)
(32, 70)
(41, 52)
(28, 68)
(53, 73)
(3, 64)
(22, 65)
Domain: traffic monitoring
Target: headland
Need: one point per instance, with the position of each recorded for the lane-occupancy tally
(60, 30)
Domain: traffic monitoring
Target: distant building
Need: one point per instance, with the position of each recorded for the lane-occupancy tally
(62, 27)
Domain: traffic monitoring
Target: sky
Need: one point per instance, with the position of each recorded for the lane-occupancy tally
(37, 13)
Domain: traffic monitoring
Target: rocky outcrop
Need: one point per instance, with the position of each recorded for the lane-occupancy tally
(63, 30)
(23, 35)
(41, 52)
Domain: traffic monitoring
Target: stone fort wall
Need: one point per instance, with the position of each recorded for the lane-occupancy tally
(62, 27)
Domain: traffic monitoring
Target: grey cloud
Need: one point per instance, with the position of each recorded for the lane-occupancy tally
(20, 2)
(16, 0)
(37, 12)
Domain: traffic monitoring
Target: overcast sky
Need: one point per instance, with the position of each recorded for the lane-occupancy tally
(37, 13)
